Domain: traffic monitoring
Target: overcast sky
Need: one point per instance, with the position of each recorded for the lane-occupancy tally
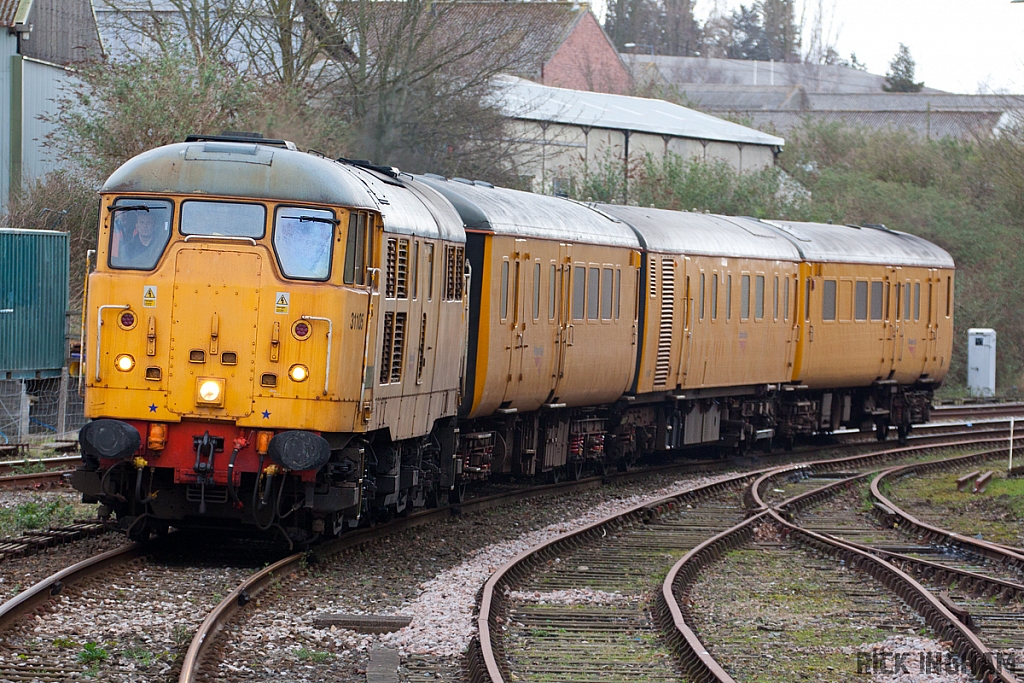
(958, 45)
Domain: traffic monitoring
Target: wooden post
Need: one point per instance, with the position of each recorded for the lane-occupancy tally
(62, 403)
(1011, 445)
(23, 415)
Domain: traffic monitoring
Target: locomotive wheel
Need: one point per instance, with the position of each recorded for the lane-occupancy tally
(575, 470)
(903, 431)
(882, 431)
(555, 475)
(457, 495)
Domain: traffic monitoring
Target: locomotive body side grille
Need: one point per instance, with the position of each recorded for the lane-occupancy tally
(668, 287)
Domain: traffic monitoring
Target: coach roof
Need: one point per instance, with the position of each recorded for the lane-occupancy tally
(680, 232)
(254, 170)
(524, 214)
(876, 245)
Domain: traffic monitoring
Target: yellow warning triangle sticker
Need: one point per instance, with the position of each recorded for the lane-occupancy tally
(282, 301)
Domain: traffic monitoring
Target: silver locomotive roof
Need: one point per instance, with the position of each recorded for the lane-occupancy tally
(680, 232)
(502, 211)
(875, 245)
(265, 171)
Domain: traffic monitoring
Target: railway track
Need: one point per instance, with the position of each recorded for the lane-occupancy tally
(976, 572)
(531, 622)
(711, 511)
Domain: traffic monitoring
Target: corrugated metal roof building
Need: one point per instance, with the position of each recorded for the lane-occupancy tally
(780, 97)
(43, 38)
(562, 134)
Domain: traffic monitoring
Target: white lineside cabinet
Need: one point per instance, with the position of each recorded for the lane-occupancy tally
(981, 362)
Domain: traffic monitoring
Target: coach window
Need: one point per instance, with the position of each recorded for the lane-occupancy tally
(714, 296)
(536, 290)
(876, 300)
(579, 293)
(917, 301)
(785, 299)
(775, 300)
(303, 239)
(931, 291)
(744, 297)
(701, 295)
(551, 292)
(828, 300)
(860, 303)
(949, 295)
(139, 232)
(728, 298)
(807, 300)
(430, 272)
(618, 292)
(607, 292)
(504, 290)
(906, 300)
(594, 302)
(759, 297)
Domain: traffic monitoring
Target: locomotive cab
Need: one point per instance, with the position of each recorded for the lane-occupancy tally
(233, 319)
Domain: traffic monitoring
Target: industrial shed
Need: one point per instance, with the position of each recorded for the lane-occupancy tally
(564, 134)
(43, 38)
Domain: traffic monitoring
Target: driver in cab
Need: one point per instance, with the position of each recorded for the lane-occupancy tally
(142, 238)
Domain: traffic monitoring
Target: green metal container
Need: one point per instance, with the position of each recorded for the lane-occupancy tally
(33, 303)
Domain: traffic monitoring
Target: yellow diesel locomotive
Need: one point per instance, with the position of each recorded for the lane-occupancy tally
(280, 340)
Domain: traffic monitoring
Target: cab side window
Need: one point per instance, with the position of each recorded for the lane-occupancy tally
(357, 248)
(303, 241)
(140, 230)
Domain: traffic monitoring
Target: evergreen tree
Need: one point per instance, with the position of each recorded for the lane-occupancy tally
(633, 21)
(765, 30)
(681, 35)
(748, 35)
(781, 32)
(901, 73)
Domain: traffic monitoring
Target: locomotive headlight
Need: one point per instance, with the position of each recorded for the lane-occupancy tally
(124, 362)
(298, 373)
(210, 391)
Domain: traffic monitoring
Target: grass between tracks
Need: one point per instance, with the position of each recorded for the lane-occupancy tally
(21, 512)
(775, 614)
(996, 514)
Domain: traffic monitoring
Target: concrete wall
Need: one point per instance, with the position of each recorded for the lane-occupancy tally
(553, 154)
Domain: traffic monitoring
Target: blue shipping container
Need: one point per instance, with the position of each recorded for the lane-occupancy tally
(33, 303)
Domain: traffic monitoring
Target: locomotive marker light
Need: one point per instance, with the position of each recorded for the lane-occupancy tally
(124, 362)
(298, 373)
(157, 439)
(210, 391)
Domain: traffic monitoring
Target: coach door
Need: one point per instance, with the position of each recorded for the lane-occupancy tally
(515, 319)
(564, 337)
(891, 334)
(932, 288)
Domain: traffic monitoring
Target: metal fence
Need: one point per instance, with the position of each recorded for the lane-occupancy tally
(33, 410)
